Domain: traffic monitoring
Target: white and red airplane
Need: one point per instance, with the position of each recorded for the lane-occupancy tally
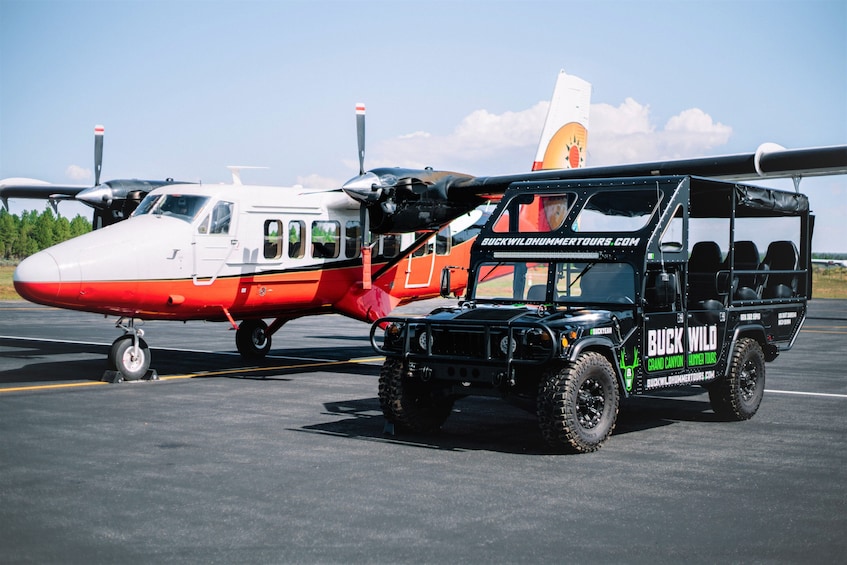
(250, 253)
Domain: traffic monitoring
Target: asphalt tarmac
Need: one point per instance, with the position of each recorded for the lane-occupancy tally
(287, 462)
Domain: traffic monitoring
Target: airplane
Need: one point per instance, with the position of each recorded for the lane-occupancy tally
(235, 252)
(250, 253)
(830, 262)
(112, 201)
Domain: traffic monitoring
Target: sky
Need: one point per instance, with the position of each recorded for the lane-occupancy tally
(186, 87)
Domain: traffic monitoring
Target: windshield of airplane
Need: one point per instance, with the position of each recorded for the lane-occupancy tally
(573, 282)
(182, 206)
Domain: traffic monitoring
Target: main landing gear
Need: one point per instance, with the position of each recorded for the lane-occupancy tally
(129, 357)
(253, 337)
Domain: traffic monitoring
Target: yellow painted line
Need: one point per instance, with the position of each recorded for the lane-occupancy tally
(49, 387)
(242, 370)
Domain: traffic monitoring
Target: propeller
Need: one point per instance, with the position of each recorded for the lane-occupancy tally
(401, 200)
(360, 135)
(98, 152)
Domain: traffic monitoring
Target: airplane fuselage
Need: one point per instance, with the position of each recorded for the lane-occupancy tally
(225, 252)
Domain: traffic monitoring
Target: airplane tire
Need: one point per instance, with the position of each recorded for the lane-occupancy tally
(737, 396)
(578, 404)
(410, 402)
(123, 359)
(252, 339)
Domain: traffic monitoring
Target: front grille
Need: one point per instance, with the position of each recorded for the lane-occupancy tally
(459, 342)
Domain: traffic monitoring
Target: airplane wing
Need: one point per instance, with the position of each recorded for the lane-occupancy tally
(404, 200)
(769, 161)
(36, 189)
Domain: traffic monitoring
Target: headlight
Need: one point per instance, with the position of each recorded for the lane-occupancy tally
(504, 345)
(394, 335)
(393, 330)
(424, 339)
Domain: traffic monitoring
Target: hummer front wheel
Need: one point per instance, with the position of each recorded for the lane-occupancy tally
(409, 401)
(578, 404)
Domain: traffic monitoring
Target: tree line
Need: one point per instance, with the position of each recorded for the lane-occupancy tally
(21, 236)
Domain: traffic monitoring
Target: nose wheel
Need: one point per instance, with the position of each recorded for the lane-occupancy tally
(129, 357)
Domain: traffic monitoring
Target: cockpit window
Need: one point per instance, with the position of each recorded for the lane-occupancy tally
(182, 206)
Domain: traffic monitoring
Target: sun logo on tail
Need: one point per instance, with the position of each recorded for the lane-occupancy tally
(566, 149)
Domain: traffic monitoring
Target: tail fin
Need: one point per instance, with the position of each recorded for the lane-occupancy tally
(564, 139)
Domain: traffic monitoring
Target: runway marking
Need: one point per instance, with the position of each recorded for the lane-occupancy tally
(800, 393)
(49, 387)
(241, 370)
(156, 348)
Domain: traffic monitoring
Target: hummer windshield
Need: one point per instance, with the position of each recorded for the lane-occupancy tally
(555, 282)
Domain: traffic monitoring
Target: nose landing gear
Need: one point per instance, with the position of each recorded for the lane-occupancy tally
(129, 357)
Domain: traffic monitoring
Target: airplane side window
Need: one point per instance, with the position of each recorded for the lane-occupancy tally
(390, 245)
(352, 239)
(221, 217)
(273, 239)
(295, 239)
(424, 249)
(325, 238)
(443, 241)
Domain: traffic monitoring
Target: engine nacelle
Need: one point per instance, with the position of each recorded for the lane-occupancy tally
(407, 200)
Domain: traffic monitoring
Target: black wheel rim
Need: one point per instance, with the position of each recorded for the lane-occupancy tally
(748, 380)
(590, 404)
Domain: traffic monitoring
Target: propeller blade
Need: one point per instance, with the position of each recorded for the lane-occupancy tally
(360, 135)
(98, 152)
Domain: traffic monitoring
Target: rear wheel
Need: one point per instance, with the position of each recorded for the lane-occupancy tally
(738, 395)
(410, 402)
(252, 339)
(578, 404)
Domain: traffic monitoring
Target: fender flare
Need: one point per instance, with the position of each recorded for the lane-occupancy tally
(605, 346)
(754, 331)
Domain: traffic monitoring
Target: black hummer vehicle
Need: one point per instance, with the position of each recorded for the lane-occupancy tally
(581, 292)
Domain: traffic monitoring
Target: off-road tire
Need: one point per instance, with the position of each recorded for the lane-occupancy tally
(737, 396)
(578, 404)
(410, 403)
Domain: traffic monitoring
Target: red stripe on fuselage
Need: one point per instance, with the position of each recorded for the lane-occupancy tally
(279, 294)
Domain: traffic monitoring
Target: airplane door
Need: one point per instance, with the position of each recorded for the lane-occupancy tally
(214, 243)
(420, 266)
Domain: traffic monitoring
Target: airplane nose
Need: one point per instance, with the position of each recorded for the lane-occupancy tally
(37, 278)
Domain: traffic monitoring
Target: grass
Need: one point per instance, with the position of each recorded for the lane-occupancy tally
(7, 290)
(828, 282)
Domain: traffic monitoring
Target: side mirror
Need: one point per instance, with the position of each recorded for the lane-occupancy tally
(666, 288)
(445, 282)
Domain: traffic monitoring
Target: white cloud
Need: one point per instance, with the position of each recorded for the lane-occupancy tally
(75, 172)
(318, 182)
(626, 134)
(479, 138)
(483, 142)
